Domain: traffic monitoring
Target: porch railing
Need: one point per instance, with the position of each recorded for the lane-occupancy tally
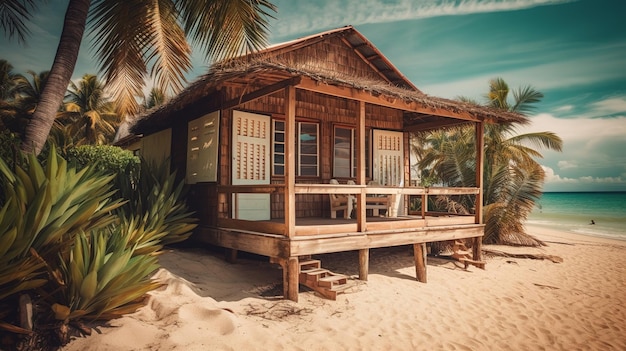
(346, 189)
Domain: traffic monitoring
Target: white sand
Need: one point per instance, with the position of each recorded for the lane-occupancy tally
(515, 304)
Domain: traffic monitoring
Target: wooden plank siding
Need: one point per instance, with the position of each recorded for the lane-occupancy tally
(327, 111)
(333, 79)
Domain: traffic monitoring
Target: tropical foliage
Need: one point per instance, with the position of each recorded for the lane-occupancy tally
(513, 179)
(70, 238)
(18, 97)
(87, 113)
(135, 39)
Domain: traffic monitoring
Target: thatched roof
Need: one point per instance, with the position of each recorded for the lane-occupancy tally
(275, 64)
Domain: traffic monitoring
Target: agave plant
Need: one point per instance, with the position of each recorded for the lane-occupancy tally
(103, 277)
(160, 199)
(42, 210)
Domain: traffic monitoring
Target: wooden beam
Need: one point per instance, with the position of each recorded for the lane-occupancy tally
(267, 90)
(419, 253)
(231, 255)
(290, 166)
(311, 245)
(477, 251)
(480, 170)
(252, 226)
(367, 60)
(267, 245)
(290, 279)
(364, 262)
(381, 100)
(361, 211)
(432, 125)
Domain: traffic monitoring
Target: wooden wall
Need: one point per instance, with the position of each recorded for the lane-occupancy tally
(326, 110)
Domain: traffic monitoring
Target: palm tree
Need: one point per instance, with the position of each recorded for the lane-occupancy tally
(513, 179)
(20, 96)
(137, 38)
(87, 113)
(157, 97)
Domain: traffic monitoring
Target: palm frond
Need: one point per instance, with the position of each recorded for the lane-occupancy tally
(120, 40)
(13, 17)
(227, 28)
(169, 52)
(525, 98)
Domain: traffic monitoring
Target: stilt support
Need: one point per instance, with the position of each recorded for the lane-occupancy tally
(364, 262)
(291, 270)
(419, 252)
(477, 252)
(231, 255)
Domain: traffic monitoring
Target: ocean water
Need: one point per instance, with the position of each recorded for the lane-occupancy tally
(573, 212)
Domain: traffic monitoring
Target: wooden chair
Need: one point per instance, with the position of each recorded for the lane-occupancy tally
(340, 202)
(376, 203)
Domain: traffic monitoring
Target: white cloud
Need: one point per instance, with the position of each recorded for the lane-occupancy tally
(316, 15)
(567, 164)
(565, 108)
(557, 73)
(552, 177)
(603, 180)
(610, 106)
(578, 129)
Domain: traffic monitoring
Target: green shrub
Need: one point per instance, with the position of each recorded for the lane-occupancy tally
(107, 158)
(44, 209)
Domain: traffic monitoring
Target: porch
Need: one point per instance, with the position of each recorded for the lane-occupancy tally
(285, 240)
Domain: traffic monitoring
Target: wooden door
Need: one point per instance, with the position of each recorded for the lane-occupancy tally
(388, 164)
(251, 163)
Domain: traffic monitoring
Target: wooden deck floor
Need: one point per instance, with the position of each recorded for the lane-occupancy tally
(314, 235)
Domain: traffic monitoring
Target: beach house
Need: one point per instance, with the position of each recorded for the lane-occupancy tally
(304, 148)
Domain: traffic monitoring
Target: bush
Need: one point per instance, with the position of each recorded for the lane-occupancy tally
(106, 158)
(82, 236)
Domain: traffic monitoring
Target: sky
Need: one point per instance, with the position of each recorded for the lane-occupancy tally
(573, 51)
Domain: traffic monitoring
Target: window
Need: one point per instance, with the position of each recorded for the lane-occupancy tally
(278, 146)
(344, 160)
(345, 155)
(307, 149)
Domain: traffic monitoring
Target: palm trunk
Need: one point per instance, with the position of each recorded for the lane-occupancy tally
(61, 72)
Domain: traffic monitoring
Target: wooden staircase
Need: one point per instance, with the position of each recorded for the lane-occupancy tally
(464, 255)
(323, 281)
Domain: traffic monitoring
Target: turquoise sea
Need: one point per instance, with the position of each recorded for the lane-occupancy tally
(574, 211)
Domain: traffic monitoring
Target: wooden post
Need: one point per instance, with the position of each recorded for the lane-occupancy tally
(290, 165)
(480, 170)
(419, 253)
(480, 161)
(477, 251)
(361, 212)
(231, 255)
(291, 271)
(364, 263)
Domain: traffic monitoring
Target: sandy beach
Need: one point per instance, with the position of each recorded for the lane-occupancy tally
(515, 304)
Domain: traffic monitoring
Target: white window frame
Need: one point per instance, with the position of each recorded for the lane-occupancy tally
(276, 142)
(351, 151)
(299, 147)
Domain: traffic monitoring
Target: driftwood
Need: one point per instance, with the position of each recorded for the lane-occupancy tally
(553, 258)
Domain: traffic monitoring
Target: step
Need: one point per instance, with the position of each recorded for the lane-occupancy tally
(308, 264)
(340, 288)
(462, 252)
(312, 275)
(314, 271)
(333, 280)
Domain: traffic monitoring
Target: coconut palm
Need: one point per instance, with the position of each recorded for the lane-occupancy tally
(87, 113)
(136, 38)
(513, 179)
(157, 97)
(20, 96)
